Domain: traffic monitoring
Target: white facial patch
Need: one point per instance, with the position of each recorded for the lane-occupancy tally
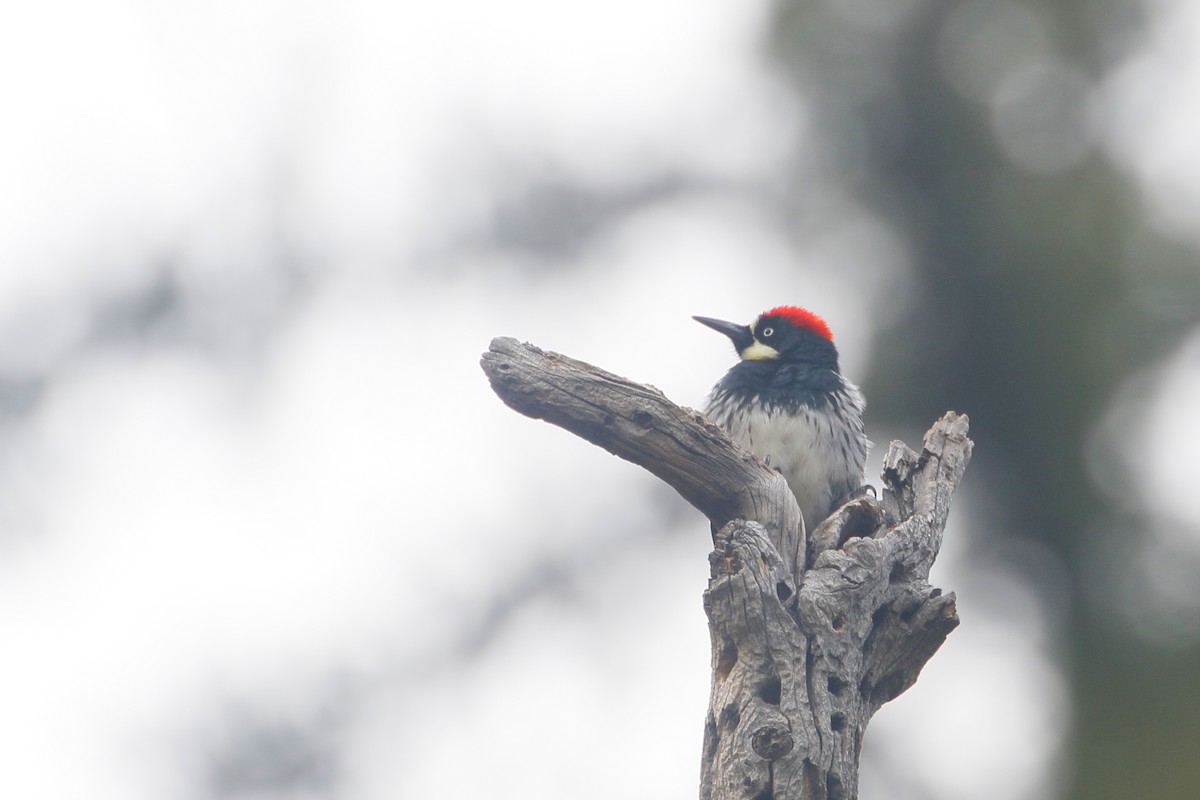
(759, 352)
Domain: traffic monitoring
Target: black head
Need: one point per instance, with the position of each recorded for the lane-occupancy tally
(784, 334)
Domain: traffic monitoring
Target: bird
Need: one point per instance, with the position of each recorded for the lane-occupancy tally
(787, 402)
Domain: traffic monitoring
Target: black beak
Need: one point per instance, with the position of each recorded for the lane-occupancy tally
(738, 334)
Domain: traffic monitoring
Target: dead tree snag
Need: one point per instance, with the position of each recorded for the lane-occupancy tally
(811, 633)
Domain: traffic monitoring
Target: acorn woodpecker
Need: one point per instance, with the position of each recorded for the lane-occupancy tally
(787, 402)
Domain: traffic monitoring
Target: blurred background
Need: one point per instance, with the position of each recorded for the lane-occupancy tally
(265, 532)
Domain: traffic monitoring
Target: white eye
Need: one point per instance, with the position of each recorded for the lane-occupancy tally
(768, 332)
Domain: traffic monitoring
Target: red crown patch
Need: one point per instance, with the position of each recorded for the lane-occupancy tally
(801, 318)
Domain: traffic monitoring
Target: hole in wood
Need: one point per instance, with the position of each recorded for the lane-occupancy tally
(898, 574)
(771, 690)
(783, 591)
(772, 742)
(726, 659)
(949, 611)
(643, 418)
(730, 717)
(833, 787)
(836, 685)
(837, 722)
(881, 614)
(812, 779)
(859, 521)
(839, 622)
(906, 616)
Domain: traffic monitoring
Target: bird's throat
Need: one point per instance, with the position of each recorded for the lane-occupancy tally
(759, 352)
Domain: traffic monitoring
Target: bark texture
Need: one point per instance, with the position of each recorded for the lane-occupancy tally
(810, 634)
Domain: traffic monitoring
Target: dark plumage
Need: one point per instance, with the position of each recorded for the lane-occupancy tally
(787, 402)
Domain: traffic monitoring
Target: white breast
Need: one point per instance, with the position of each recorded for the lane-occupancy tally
(819, 453)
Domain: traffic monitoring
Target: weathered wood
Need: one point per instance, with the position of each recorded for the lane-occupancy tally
(639, 424)
(809, 639)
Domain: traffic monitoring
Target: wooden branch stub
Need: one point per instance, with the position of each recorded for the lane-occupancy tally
(639, 424)
(808, 639)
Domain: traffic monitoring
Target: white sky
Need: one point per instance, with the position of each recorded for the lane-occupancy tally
(189, 532)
